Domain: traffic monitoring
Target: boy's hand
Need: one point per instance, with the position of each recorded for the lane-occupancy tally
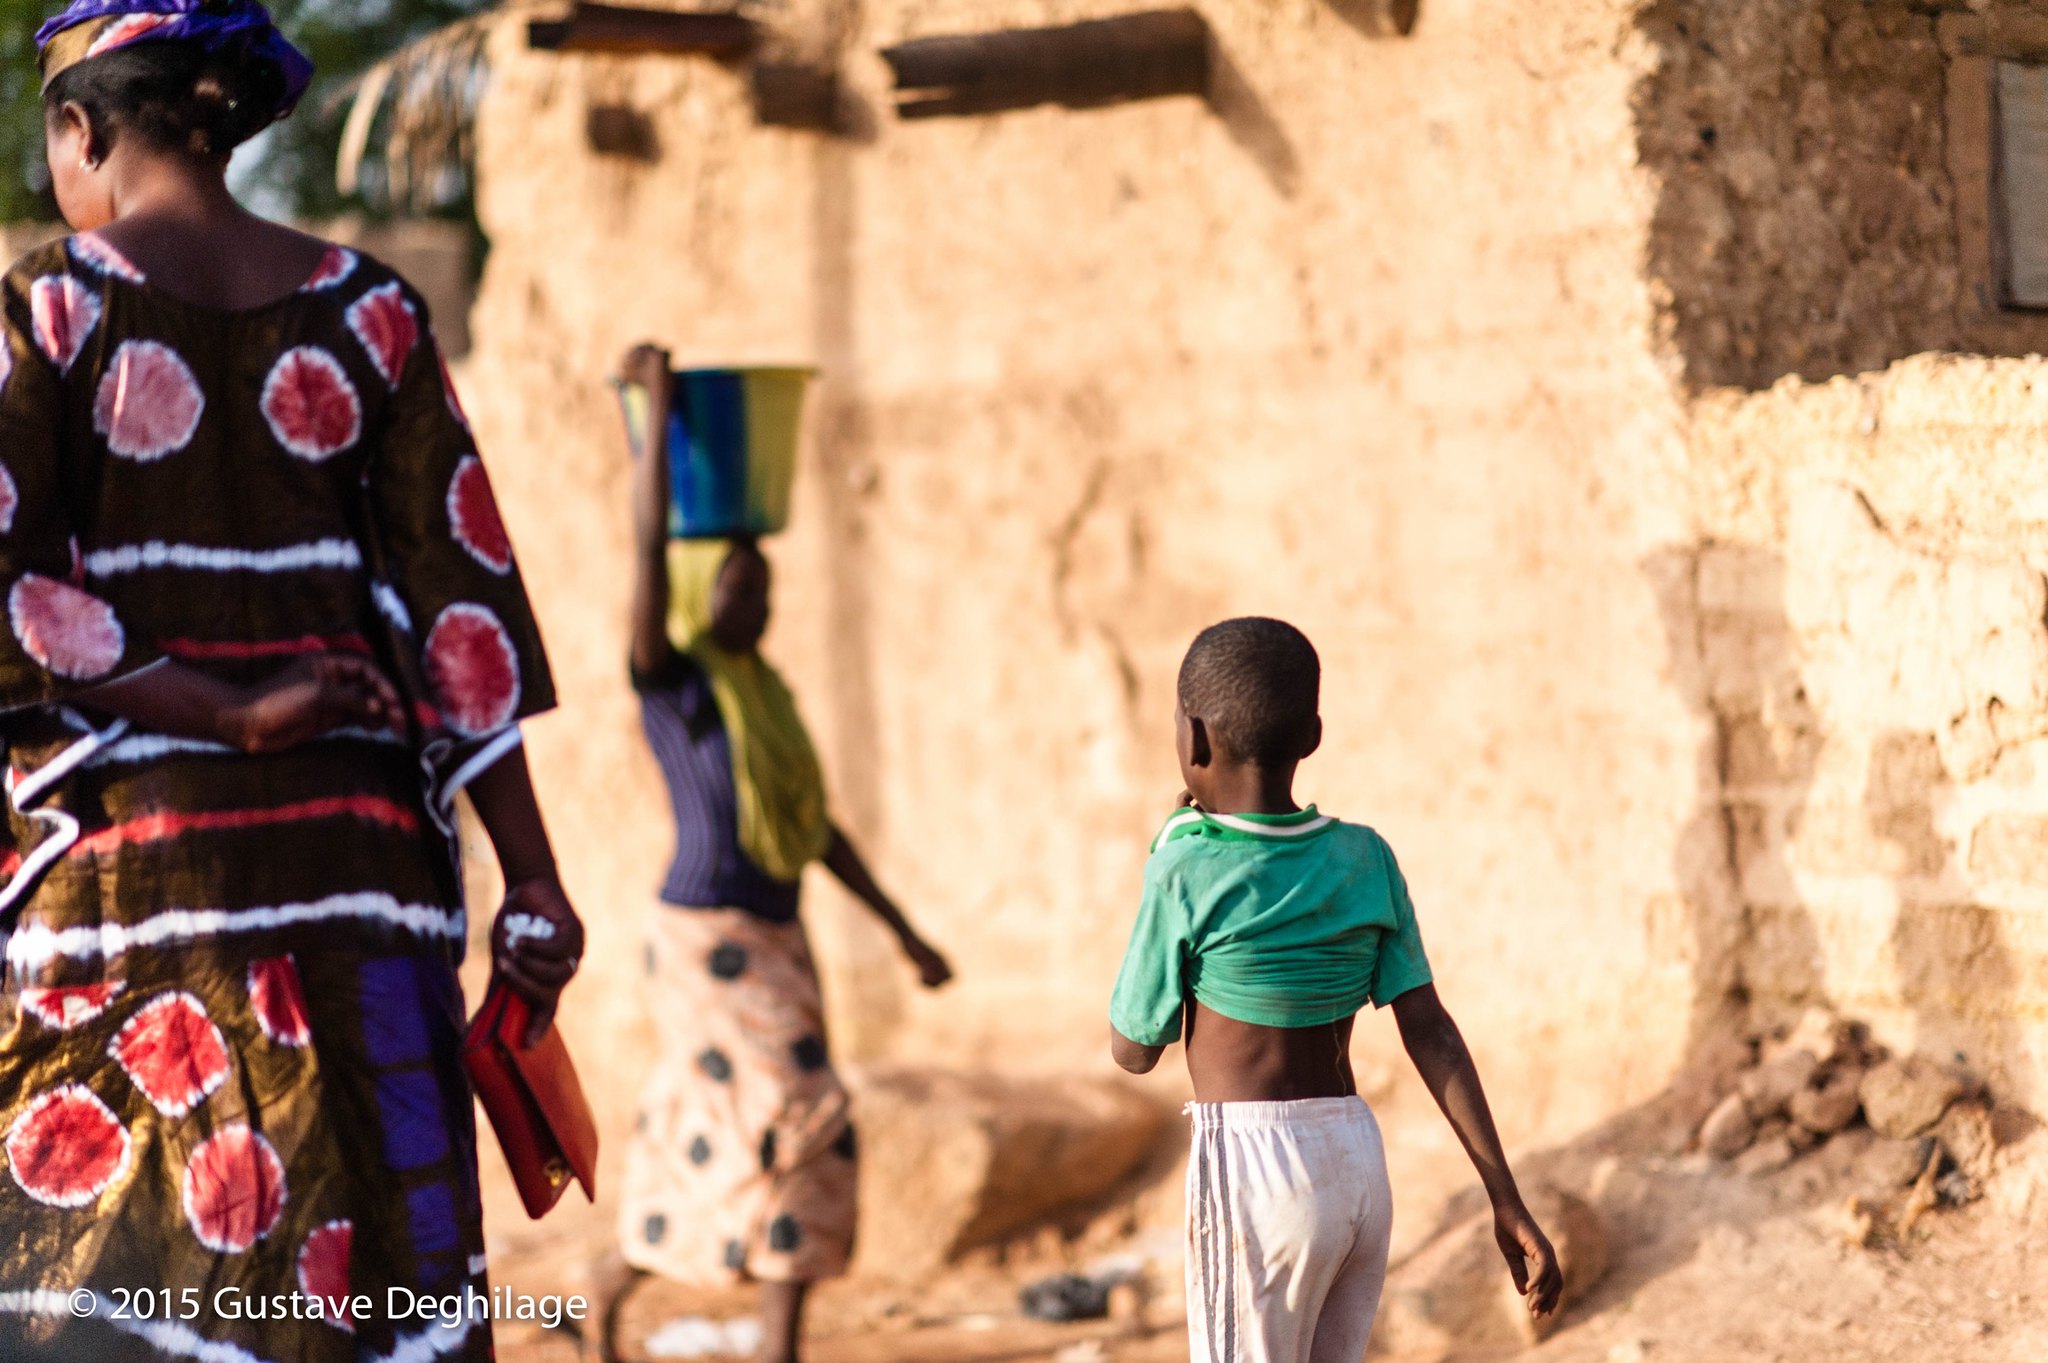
(312, 696)
(536, 945)
(1532, 1263)
(932, 968)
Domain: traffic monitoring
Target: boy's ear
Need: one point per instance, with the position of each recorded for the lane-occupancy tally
(1315, 738)
(1199, 754)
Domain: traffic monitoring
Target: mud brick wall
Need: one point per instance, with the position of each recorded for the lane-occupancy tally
(1870, 648)
(1824, 171)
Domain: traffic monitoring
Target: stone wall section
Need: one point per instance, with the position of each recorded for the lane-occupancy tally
(1824, 170)
(1885, 794)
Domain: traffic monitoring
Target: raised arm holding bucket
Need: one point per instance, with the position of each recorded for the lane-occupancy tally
(730, 437)
(743, 1162)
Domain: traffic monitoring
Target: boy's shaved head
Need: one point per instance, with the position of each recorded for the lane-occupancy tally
(1254, 682)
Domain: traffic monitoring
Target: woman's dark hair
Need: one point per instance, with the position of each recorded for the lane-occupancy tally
(175, 96)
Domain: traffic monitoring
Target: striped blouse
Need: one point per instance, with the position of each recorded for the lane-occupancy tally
(710, 869)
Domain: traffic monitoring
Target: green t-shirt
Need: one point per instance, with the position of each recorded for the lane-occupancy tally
(1282, 920)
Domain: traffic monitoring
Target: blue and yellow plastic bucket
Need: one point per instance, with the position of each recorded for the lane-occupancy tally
(732, 447)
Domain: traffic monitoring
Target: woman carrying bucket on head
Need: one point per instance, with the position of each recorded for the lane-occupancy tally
(743, 1160)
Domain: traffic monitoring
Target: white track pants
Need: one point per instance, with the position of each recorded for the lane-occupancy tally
(1289, 1213)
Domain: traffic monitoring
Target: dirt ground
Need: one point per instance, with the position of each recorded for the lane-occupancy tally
(1709, 1266)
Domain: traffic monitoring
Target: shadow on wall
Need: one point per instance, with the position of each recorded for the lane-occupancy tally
(1825, 186)
(1733, 659)
(1758, 960)
(871, 994)
(1248, 119)
(1954, 968)
(1379, 18)
(1250, 123)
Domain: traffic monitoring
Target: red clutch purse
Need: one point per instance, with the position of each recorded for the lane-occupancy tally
(535, 1104)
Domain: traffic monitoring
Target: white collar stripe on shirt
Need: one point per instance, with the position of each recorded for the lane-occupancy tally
(1272, 830)
(1249, 827)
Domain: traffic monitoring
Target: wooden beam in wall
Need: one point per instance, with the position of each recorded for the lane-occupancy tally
(624, 29)
(789, 94)
(1085, 65)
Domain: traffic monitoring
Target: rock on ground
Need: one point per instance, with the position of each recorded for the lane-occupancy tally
(1821, 1034)
(1772, 1152)
(1890, 1164)
(1905, 1096)
(1966, 1132)
(1827, 1109)
(1728, 1129)
(1769, 1088)
(953, 1160)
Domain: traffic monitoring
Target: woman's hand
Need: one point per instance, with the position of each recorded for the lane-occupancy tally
(536, 946)
(932, 968)
(646, 365)
(843, 861)
(1532, 1263)
(311, 696)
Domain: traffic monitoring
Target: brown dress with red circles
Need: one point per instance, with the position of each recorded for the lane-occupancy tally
(229, 1021)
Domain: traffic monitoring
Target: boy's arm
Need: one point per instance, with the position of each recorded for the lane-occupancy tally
(1129, 1055)
(1441, 1058)
(1149, 997)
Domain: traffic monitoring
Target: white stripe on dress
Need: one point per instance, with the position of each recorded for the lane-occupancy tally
(392, 605)
(142, 748)
(28, 791)
(130, 558)
(486, 757)
(25, 792)
(33, 945)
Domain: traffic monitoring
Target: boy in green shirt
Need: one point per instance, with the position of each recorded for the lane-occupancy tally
(1264, 928)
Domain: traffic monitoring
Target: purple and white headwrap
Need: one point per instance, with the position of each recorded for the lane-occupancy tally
(93, 28)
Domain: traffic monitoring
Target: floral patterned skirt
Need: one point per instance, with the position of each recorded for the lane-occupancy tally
(742, 1163)
(202, 1144)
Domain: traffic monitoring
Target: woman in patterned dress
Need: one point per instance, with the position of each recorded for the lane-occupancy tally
(262, 623)
(742, 1165)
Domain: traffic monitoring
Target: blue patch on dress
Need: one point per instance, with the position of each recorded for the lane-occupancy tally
(432, 1212)
(393, 1011)
(415, 1124)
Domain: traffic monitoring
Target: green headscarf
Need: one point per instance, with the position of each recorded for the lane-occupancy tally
(779, 790)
